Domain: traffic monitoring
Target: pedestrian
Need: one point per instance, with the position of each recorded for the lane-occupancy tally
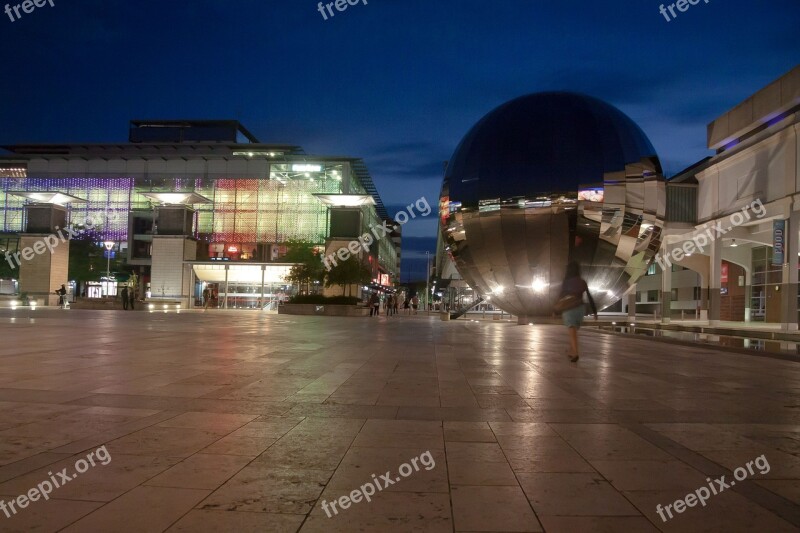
(389, 305)
(395, 304)
(132, 298)
(415, 303)
(571, 306)
(206, 298)
(407, 305)
(62, 296)
(125, 298)
(374, 304)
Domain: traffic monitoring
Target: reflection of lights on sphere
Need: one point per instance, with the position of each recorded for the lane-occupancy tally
(546, 179)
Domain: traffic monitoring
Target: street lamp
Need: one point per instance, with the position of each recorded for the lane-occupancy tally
(109, 245)
(427, 279)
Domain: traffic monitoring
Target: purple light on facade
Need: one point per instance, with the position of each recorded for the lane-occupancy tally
(104, 197)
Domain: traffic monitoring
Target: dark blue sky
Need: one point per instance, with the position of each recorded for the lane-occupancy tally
(397, 82)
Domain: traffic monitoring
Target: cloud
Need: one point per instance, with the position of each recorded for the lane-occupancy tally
(418, 160)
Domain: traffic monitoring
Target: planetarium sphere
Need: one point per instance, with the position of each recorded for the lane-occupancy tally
(546, 179)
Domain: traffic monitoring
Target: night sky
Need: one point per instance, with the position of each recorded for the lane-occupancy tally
(397, 82)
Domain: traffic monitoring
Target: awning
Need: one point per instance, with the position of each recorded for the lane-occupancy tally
(214, 272)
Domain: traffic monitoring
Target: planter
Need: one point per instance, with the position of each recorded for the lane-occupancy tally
(323, 310)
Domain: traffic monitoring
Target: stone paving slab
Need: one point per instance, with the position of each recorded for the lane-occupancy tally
(241, 421)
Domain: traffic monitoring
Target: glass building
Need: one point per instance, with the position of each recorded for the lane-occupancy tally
(248, 200)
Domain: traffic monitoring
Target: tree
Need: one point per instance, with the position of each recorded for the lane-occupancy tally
(308, 267)
(306, 273)
(300, 252)
(348, 273)
(86, 261)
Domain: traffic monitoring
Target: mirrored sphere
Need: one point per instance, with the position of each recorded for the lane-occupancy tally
(546, 179)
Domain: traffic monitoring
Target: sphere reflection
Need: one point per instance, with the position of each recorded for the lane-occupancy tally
(547, 179)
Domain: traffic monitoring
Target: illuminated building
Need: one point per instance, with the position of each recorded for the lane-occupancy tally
(246, 200)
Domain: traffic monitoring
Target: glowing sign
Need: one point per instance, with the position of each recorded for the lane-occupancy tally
(591, 195)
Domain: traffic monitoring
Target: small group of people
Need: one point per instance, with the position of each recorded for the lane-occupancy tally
(392, 305)
(128, 297)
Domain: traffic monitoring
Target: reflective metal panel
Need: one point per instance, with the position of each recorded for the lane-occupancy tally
(546, 179)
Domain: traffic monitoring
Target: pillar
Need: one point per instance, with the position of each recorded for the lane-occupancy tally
(666, 295)
(225, 300)
(748, 292)
(263, 273)
(789, 275)
(714, 282)
(632, 304)
(43, 259)
(170, 277)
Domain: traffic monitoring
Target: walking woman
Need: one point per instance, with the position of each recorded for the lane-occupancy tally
(572, 307)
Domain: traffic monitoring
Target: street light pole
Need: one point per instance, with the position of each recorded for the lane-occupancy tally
(427, 280)
(109, 245)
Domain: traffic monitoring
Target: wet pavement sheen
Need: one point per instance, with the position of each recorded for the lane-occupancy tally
(241, 421)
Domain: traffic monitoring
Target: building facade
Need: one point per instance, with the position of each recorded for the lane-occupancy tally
(733, 219)
(241, 202)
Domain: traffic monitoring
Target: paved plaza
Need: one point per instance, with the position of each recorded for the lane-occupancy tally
(241, 421)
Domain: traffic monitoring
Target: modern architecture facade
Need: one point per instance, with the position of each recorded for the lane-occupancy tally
(234, 204)
(747, 195)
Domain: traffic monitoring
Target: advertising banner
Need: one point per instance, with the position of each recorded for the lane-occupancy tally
(778, 241)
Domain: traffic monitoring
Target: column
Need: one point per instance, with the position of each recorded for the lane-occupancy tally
(632, 304)
(748, 293)
(263, 273)
(666, 295)
(714, 282)
(789, 277)
(225, 300)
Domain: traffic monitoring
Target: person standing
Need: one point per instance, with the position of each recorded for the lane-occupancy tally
(62, 296)
(374, 304)
(395, 303)
(132, 298)
(574, 309)
(125, 298)
(415, 303)
(206, 298)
